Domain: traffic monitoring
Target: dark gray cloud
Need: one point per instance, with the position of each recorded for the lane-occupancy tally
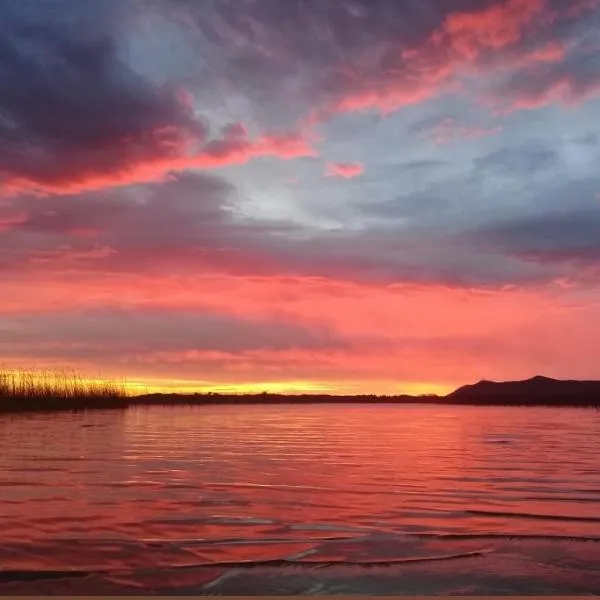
(589, 140)
(139, 226)
(169, 209)
(516, 161)
(130, 333)
(70, 107)
(557, 236)
(409, 206)
(425, 126)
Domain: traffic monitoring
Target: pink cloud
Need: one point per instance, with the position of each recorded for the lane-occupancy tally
(156, 131)
(439, 62)
(509, 38)
(449, 129)
(8, 221)
(344, 170)
(165, 150)
(495, 28)
(551, 52)
(235, 147)
(563, 89)
(578, 7)
(482, 42)
(330, 331)
(66, 254)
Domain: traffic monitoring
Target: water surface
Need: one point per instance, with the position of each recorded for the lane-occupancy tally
(290, 499)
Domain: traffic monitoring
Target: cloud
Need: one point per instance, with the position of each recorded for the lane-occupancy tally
(189, 225)
(131, 333)
(449, 129)
(344, 170)
(75, 116)
(578, 7)
(236, 148)
(492, 28)
(527, 90)
(522, 160)
(557, 236)
(325, 330)
(71, 109)
(383, 55)
(11, 219)
(65, 254)
(107, 117)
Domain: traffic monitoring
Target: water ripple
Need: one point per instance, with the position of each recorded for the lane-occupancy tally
(234, 486)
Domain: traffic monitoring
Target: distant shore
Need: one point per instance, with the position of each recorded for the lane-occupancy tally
(537, 391)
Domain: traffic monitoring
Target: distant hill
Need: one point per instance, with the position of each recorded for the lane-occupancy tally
(535, 391)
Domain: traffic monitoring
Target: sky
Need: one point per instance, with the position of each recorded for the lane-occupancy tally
(349, 196)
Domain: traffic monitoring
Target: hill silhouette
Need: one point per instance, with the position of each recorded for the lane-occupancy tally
(537, 390)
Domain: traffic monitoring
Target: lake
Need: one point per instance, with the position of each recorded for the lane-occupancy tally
(301, 500)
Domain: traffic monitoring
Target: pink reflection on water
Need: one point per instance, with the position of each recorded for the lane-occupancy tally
(290, 475)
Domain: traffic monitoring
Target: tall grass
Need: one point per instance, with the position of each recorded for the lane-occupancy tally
(33, 389)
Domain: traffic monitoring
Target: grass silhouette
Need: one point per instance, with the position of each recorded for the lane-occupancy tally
(33, 389)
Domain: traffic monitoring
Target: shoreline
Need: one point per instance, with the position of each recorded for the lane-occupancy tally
(193, 401)
(536, 391)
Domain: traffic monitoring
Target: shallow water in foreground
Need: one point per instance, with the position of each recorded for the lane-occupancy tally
(294, 500)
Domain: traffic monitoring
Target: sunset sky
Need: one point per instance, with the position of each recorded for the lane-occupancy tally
(301, 195)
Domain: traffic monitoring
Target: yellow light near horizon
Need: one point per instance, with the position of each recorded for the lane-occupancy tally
(140, 385)
(179, 386)
(191, 387)
(420, 389)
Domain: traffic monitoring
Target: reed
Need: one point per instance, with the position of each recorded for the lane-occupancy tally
(37, 389)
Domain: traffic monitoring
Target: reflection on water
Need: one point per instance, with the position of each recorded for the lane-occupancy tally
(228, 499)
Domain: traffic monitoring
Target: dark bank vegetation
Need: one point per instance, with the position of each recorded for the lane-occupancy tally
(269, 398)
(537, 391)
(31, 390)
(39, 390)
